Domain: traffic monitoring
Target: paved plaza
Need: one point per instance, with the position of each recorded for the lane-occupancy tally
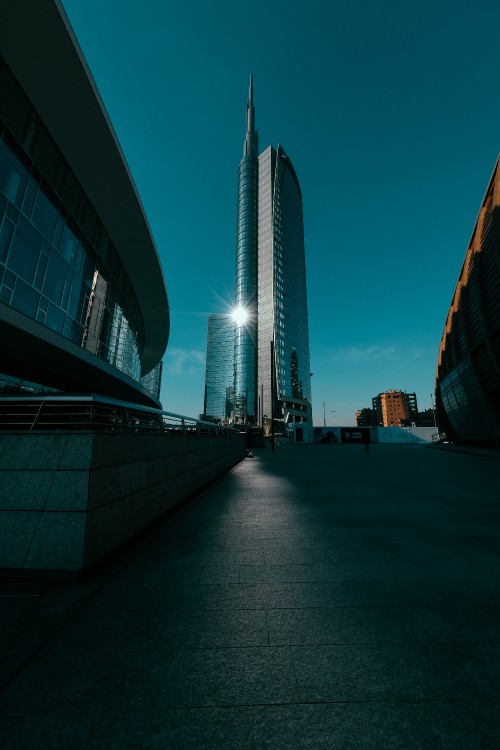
(316, 597)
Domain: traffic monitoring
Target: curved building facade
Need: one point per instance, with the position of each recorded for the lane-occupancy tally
(468, 368)
(83, 304)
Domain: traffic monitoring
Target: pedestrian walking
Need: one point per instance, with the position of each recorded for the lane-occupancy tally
(367, 438)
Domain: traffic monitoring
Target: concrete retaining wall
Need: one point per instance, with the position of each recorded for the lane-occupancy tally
(66, 499)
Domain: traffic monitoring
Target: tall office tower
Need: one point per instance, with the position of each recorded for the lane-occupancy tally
(283, 368)
(219, 375)
(245, 341)
(271, 339)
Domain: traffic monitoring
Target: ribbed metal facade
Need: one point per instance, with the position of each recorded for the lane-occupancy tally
(468, 369)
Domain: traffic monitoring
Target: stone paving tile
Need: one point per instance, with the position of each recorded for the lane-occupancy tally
(423, 725)
(311, 556)
(356, 613)
(469, 624)
(67, 683)
(334, 572)
(343, 625)
(231, 596)
(202, 677)
(231, 555)
(49, 732)
(394, 672)
(359, 593)
(138, 630)
(182, 729)
(194, 597)
(223, 573)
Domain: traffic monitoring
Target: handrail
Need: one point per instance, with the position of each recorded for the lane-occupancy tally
(96, 413)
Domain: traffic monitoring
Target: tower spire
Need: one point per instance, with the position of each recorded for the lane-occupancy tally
(250, 147)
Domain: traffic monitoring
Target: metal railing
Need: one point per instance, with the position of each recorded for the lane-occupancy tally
(93, 413)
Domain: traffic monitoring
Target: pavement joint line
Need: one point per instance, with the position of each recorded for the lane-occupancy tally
(478, 655)
(112, 566)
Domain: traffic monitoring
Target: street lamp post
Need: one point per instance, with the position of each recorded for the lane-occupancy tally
(273, 386)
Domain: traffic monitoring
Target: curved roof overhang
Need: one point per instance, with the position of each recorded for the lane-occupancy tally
(38, 43)
(57, 358)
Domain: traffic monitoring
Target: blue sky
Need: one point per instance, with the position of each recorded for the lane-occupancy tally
(390, 113)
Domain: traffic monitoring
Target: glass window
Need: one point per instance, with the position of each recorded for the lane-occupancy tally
(29, 197)
(88, 269)
(67, 288)
(75, 296)
(12, 213)
(55, 277)
(13, 175)
(76, 333)
(25, 298)
(25, 248)
(45, 215)
(59, 230)
(9, 279)
(40, 271)
(69, 246)
(6, 232)
(55, 318)
(5, 295)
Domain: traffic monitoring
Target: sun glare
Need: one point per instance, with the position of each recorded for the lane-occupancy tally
(240, 315)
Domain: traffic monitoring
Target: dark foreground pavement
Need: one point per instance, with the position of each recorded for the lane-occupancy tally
(317, 597)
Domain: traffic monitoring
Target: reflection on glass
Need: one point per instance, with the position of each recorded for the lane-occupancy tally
(91, 303)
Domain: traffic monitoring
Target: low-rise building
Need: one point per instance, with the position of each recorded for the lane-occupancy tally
(394, 407)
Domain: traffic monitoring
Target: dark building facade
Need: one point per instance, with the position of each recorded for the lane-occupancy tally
(83, 304)
(468, 367)
(366, 418)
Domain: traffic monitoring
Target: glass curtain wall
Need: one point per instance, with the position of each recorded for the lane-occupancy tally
(245, 296)
(219, 374)
(57, 263)
(282, 286)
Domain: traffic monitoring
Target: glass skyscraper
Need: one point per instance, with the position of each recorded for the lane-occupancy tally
(282, 292)
(271, 338)
(245, 344)
(219, 376)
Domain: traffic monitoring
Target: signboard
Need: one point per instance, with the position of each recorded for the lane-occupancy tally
(355, 435)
